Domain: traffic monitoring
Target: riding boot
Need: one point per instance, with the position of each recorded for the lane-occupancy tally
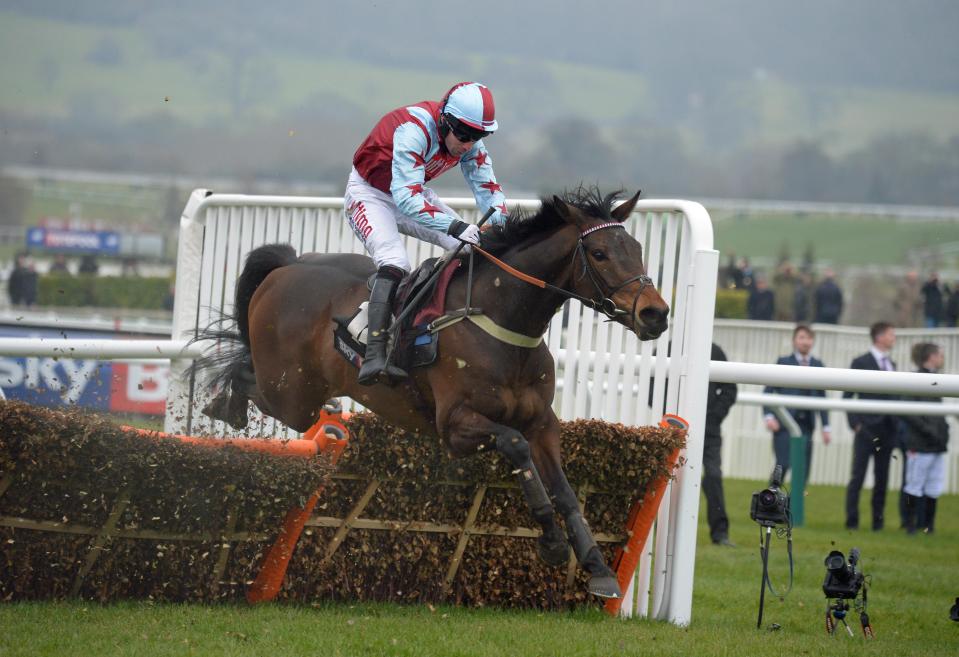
(912, 510)
(376, 368)
(929, 524)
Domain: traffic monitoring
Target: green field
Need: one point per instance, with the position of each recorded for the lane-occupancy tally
(914, 582)
(838, 241)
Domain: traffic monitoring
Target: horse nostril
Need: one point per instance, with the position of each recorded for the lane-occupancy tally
(654, 316)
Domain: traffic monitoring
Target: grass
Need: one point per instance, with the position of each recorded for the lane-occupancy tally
(913, 586)
(843, 241)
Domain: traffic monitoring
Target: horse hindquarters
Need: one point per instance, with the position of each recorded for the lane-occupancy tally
(289, 315)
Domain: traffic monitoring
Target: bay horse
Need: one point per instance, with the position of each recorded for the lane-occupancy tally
(481, 392)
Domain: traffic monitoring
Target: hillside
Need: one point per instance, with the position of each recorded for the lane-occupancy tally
(674, 97)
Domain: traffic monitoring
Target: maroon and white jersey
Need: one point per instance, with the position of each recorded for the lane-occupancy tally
(404, 151)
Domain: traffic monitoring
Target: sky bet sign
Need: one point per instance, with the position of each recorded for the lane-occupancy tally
(97, 385)
(99, 242)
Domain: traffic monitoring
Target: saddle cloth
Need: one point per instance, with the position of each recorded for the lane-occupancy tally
(417, 346)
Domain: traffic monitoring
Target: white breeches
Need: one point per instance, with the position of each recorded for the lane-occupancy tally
(378, 223)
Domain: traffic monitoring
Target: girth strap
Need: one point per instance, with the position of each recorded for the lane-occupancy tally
(489, 326)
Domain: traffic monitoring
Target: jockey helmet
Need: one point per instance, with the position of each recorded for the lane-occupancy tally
(471, 103)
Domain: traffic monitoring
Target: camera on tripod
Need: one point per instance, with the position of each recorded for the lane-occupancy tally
(770, 507)
(843, 578)
(844, 581)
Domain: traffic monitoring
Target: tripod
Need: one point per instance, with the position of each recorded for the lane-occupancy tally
(764, 552)
(837, 611)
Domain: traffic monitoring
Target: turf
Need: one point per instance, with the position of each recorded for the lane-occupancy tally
(841, 241)
(914, 582)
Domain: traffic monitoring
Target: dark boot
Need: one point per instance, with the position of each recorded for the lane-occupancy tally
(375, 367)
(911, 505)
(929, 522)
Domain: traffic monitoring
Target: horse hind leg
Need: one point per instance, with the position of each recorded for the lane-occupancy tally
(232, 404)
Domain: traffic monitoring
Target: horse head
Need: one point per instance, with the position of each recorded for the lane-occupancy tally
(608, 265)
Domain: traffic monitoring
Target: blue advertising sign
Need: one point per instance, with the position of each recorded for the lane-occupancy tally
(98, 242)
(98, 385)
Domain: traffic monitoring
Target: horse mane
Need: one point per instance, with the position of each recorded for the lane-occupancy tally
(524, 224)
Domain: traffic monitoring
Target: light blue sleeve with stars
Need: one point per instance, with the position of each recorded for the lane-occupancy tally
(477, 168)
(409, 176)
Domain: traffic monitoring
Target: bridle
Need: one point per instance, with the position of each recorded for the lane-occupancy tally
(605, 303)
(607, 307)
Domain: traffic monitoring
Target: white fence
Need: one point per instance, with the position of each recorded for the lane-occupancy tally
(747, 445)
(217, 231)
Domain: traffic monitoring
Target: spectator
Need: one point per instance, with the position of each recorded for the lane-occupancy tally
(828, 299)
(15, 281)
(168, 300)
(761, 301)
(803, 301)
(721, 397)
(745, 278)
(784, 289)
(875, 435)
(31, 284)
(803, 340)
(88, 265)
(908, 301)
(926, 440)
(59, 265)
(932, 306)
(728, 274)
(952, 306)
(129, 267)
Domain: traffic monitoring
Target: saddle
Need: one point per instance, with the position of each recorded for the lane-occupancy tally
(416, 345)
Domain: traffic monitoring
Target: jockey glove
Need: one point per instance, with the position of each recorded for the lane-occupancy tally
(464, 232)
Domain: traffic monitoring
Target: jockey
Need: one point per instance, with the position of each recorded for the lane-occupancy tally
(386, 196)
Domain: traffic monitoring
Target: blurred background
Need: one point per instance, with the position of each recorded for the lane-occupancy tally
(823, 137)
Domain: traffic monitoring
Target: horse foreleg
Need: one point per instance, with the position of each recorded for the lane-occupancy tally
(474, 433)
(602, 581)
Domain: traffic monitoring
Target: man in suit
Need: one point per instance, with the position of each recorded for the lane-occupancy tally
(803, 340)
(875, 435)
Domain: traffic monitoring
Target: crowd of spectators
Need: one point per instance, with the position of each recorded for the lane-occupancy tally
(800, 297)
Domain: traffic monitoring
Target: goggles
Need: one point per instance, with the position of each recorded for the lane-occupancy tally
(463, 132)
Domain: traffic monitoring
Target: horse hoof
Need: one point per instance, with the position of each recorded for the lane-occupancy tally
(553, 553)
(604, 587)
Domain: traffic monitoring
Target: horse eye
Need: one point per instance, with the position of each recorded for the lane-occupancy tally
(599, 255)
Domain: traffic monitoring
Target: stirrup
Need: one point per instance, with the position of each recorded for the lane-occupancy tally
(388, 374)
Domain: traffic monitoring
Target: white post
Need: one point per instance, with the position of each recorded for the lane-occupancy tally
(185, 309)
(694, 387)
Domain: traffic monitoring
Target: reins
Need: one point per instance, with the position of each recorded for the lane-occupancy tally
(606, 305)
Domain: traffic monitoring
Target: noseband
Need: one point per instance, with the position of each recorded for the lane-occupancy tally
(606, 305)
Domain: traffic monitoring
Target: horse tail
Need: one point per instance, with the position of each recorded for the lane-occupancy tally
(233, 358)
(259, 263)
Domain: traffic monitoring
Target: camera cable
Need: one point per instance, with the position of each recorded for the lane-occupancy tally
(786, 531)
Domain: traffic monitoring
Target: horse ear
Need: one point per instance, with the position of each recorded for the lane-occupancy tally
(561, 208)
(626, 208)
